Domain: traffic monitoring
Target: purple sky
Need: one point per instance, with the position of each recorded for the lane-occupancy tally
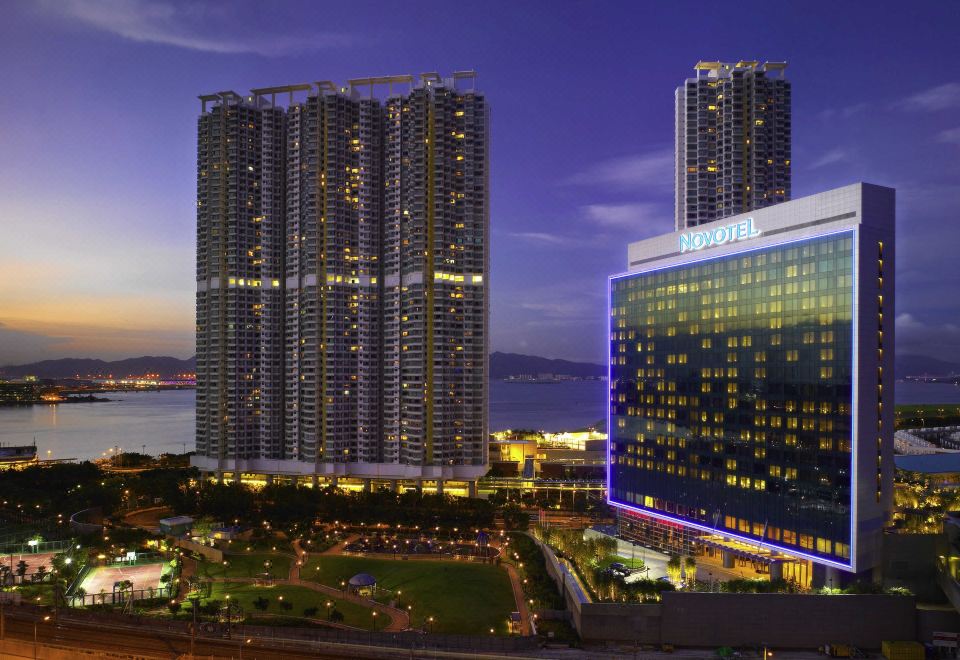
(97, 145)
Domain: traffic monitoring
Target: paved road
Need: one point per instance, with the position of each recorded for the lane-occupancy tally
(145, 642)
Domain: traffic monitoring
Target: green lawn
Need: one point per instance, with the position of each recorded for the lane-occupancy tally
(636, 562)
(246, 566)
(256, 545)
(301, 597)
(462, 597)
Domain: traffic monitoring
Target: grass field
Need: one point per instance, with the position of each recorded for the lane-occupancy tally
(247, 566)
(301, 598)
(462, 597)
(636, 562)
(925, 415)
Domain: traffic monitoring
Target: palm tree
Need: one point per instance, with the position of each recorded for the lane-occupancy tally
(40, 573)
(690, 568)
(674, 569)
(21, 569)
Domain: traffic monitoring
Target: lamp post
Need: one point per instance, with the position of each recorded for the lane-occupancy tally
(35, 622)
(329, 609)
(374, 621)
(195, 601)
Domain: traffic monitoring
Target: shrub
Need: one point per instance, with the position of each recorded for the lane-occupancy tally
(261, 603)
(310, 612)
(336, 615)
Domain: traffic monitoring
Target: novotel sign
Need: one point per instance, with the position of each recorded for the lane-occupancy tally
(697, 240)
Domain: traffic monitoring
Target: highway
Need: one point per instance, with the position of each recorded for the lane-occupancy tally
(146, 643)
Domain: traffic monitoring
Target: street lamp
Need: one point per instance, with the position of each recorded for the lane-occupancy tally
(430, 624)
(374, 621)
(398, 598)
(35, 622)
(329, 609)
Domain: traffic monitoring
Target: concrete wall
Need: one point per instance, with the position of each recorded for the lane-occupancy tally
(934, 618)
(721, 619)
(910, 560)
(625, 622)
(212, 554)
(786, 620)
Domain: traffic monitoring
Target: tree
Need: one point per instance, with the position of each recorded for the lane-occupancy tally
(515, 518)
(336, 615)
(174, 607)
(261, 603)
(674, 569)
(40, 573)
(690, 569)
(21, 569)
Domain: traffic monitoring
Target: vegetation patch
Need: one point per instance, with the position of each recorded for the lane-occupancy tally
(462, 597)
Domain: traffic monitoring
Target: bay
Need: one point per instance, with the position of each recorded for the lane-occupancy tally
(163, 421)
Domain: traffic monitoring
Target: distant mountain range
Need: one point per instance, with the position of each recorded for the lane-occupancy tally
(921, 365)
(501, 366)
(86, 367)
(514, 364)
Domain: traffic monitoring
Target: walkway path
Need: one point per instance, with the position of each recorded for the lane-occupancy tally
(337, 548)
(518, 596)
(515, 580)
(398, 618)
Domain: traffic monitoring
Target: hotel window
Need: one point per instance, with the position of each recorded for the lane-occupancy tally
(765, 313)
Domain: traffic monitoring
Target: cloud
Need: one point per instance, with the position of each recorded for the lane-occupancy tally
(951, 136)
(650, 170)
(187, 26)
(25, 346)
(918, 337)
(941, 97)
(542, 238)
(837, 155)
(845, 112)
(24, 340)
(651, 217)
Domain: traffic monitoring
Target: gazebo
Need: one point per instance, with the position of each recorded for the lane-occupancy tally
(363, 584)
(483, 542)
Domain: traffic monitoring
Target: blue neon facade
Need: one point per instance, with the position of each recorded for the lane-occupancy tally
(732, 393)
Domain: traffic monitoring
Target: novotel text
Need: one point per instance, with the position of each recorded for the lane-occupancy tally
(738, 231)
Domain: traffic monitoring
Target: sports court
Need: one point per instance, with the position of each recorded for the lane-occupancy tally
(33, 560)
(143, 576)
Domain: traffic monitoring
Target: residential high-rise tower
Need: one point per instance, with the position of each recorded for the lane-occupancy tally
(732, 141)
(342, 288)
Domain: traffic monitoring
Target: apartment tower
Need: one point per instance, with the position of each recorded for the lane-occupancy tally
(351, 346)
(732, 141)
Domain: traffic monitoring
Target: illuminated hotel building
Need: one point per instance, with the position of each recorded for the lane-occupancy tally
(733, 137)
(342, 290)
(751, 385)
